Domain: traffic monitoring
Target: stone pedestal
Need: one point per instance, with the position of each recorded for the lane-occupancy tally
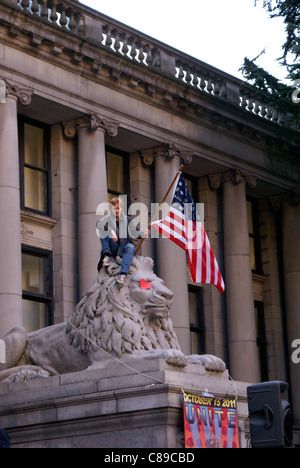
(115, 407)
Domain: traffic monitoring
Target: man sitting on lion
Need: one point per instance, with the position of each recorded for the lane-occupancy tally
(125, 323)
(115, 238)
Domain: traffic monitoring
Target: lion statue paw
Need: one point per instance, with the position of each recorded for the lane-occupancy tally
(211, 363)
(173, 357)
(26, 374)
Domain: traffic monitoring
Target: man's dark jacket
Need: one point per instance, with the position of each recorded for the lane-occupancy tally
(122, 229)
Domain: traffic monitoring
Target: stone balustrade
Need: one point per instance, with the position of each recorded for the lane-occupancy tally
(201, 78)
(60, 13)
(77, 19)
(71, 16)
(258, 104)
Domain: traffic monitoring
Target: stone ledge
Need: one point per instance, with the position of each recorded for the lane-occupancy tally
(112, 407)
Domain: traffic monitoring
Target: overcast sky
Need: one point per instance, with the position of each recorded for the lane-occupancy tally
(218, 32)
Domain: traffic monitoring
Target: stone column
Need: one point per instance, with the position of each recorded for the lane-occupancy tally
(215, 336)
(291, 267)
(238, 278)
(171, 259)
(92, 190)
(10, 234)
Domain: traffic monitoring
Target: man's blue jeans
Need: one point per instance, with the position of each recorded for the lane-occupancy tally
(109, 247)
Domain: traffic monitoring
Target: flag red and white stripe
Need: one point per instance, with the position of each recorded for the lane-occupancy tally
(183, 226)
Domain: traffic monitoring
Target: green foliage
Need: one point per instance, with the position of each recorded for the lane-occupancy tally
(290, 11)
(278, 93)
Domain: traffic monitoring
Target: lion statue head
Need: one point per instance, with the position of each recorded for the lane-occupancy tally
(124, 319)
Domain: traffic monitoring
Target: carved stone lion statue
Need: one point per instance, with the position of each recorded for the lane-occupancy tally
(109, 322)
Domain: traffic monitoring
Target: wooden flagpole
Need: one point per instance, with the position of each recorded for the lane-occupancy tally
(158, 209)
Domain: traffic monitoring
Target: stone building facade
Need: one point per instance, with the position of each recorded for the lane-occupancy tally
(92, 108)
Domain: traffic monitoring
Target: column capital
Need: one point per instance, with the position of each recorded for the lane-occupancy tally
(92, 122)
(236, 176)
(69, 128)
(22, 95)
(147, 156)
(291, 198)
(168, 152)
(96, 121)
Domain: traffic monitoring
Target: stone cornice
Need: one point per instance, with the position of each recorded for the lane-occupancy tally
(38, 220)
(37, 230)
(138, 65)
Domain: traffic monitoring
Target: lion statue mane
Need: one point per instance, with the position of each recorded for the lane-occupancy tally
(111, 321)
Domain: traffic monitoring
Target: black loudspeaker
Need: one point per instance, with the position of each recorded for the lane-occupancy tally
(4, 439)
(270, 415)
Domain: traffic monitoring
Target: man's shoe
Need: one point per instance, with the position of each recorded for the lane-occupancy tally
(107, 261)
(121, 278)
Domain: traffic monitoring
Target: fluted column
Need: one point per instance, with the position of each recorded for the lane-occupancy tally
(92, 189)
(238, 277)
(10, 234)
(170, 259)
(291, 267)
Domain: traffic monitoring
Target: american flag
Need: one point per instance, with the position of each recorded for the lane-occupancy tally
(183, 226)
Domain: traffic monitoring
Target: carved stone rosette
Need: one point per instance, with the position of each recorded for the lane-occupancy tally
(168, 152)
(69, 129)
